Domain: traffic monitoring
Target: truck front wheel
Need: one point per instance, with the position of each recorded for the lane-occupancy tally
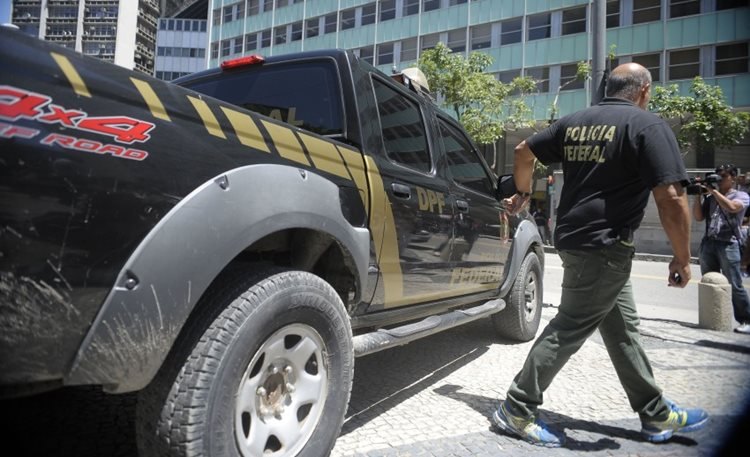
(519, 320)
(271, 375)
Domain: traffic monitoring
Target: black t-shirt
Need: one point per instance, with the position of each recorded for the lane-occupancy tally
(612, 155)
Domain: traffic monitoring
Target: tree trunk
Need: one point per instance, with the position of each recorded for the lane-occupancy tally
(706, 154)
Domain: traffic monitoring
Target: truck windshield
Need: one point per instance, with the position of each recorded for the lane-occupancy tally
(304, 94)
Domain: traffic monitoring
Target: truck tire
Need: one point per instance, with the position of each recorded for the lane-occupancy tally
(271, 375)
(519, 321)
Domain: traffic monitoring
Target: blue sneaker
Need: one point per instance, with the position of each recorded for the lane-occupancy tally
(532, 430)
(679, 420)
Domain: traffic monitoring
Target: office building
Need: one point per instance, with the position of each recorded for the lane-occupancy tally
(122, 32)
(181, 41)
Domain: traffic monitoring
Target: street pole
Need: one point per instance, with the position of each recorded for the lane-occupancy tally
(599, 57)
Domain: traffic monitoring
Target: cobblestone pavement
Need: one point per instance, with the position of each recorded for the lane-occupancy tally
(435, 397)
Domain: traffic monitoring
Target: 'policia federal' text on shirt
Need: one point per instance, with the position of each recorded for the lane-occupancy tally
(612, 155)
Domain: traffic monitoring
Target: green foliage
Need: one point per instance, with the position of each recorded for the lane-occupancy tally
(583, 72)
(484, 106)
(704, 117)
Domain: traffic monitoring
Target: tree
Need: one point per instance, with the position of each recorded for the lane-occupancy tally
(704, 119)
(485, 107)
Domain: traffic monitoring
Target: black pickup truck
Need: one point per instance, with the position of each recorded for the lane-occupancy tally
(226, 245)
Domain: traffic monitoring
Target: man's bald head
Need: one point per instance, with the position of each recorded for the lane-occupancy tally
(629, 81)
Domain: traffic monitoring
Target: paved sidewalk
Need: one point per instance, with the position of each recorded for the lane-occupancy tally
(434, 397)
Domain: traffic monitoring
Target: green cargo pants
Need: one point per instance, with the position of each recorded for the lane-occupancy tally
(596, 293)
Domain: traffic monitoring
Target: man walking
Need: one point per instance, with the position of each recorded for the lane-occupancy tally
(612, 155)
(723, 208)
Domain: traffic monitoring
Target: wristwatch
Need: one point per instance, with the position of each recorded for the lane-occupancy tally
(524, 194)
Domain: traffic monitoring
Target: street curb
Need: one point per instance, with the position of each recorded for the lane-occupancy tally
(638, 256)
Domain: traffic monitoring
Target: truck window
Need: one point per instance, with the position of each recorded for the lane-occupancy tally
(465, 166)
(305, 94)
(403, 128)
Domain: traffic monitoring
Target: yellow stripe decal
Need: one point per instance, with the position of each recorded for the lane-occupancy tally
(325, 156)
(286, 143)
(355, 164)
(151, 99)
(384, 234)
(75, 80)
(209, 120)
(247, 132)
(420, 298)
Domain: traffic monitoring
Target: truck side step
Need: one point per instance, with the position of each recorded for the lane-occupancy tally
(378, 340)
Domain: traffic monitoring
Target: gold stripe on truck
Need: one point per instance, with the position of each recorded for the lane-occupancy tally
(75, 80)
(383, 229)
(286, 143)
(247, 132)
(209, 120)
(151, 99)
(325, 156)
(354, 163)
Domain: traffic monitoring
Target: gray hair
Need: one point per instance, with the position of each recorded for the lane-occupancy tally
(626, 81)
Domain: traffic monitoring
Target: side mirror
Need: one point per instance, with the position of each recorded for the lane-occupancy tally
(506, 187)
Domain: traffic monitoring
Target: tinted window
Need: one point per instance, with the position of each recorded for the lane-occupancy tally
(305, 94)
(463, 161)
(403, 128)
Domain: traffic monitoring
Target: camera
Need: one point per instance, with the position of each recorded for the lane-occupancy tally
(694, 188)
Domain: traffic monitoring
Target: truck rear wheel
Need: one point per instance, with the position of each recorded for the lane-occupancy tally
(271, 375)
(519, 320)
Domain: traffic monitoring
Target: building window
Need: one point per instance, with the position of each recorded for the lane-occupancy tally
(312, 28)
(456, 2)
(216, 19)
(368, 14)
(541, 76)
(160, 51)
(203, 26)
(481, 36)
(568, 76)
(679, 8)
(330, 23)
(646, 11)
(539, 26)
(237, 45)
(613, 14)
(430, 5)
(411, 7)
(215, 50)
(457, 40)
(279, 35)
(731, 59)
(267, 5)
(652, 62)
(510, 31)
(507, 77)
(385, 53)
(226, 47)
(281, 3)
(297, 31)
(347, 19)
(253, 7)
(251, 41)
(403, 128)
(429, 41)
(240, 10)
(228, 13)
(727, 4)
(162, 25)
(387, 10)
(366, 54)
(574, 21)
(265, 38)
(684, 64)
(408, 50)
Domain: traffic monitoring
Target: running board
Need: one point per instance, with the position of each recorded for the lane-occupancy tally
(388, 338)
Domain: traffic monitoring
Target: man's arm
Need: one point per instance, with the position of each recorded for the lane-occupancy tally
(674, 215)
(523, 169)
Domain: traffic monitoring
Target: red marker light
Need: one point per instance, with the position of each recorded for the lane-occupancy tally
(242, 62)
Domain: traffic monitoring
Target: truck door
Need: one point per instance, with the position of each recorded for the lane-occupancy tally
(481, 246)
(418, 199)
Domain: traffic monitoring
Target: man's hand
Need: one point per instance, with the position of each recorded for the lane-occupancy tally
(679, 273)
(515, 203)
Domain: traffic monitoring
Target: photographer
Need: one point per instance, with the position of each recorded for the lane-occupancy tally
(722, 207)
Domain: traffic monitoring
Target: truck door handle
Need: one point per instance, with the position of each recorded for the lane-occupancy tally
(401, 191)
(462, 206)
